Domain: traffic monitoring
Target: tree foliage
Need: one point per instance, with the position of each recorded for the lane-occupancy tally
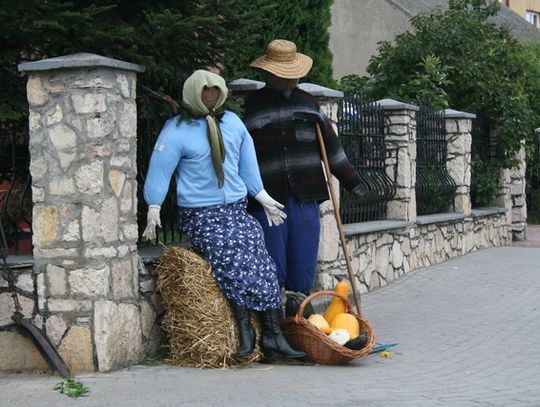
(305, 22)
(171, 38)
(458, 58)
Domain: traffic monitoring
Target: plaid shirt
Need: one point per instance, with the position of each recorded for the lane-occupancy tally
(283, 128)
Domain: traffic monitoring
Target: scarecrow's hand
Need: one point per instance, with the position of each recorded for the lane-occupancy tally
(272, 208)
(152, 220)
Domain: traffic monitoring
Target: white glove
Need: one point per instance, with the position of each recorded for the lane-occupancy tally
(272, 208)
(152, 220)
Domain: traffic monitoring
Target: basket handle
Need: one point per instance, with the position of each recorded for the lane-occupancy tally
(309, 298)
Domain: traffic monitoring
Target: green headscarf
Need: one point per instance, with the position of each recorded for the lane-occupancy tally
(193, 87)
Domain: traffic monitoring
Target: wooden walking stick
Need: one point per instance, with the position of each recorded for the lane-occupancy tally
(335, 204)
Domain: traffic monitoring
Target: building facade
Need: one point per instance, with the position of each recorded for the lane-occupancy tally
(528, 9)
(358, 26)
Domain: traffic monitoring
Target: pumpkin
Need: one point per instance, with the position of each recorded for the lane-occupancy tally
(294, 299)
(319, 321)
(337, 306)
(348, 322)
(341, 336)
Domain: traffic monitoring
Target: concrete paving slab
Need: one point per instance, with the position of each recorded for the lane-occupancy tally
(468, 333)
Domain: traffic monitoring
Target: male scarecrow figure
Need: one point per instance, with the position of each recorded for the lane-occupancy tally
(281, 118)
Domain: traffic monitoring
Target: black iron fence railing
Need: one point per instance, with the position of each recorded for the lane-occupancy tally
(169, 233)
(15, 187)
(361, 131)
(533, 181)
(435, 188)
(484, 166)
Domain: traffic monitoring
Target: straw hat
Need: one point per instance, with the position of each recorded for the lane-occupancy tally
(282, 60)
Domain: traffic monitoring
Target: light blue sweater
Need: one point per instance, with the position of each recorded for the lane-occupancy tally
(184, 150)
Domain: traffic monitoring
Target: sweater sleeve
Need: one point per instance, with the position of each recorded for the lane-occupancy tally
(165, 158)
(248, 167)
(340, 166)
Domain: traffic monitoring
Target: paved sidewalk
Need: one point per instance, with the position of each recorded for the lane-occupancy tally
(468, 333)
(533, 237)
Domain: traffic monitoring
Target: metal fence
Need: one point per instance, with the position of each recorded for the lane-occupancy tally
(484, 166)
(361, 130)
(435, 188)
(533, 181)
(15, 187)
(169, 233)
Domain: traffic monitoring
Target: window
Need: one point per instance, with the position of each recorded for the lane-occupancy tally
(533, 17)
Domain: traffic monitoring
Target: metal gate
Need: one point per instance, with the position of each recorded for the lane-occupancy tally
(435, 188)
(533, 180)
(361, 131)
(15, 187)
(152, 115)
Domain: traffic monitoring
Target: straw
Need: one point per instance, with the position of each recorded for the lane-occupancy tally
(198, 320)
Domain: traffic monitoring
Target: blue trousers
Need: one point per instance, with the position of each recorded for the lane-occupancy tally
(294, 244)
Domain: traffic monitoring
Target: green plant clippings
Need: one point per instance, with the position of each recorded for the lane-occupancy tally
(72, 388)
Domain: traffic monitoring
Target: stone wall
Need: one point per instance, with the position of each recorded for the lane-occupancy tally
(384, 251)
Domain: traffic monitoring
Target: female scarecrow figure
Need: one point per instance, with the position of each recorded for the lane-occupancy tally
(212, 157)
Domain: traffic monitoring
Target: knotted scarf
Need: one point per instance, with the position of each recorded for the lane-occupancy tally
(191, 94)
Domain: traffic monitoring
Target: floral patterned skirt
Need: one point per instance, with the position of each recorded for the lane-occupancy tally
(233, 243)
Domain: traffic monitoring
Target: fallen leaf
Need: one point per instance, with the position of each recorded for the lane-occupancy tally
(385, 354)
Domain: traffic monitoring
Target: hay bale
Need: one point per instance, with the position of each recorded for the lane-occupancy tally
(198, 319)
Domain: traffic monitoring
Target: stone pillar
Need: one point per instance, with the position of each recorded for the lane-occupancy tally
(504, 199)
(329, 244)
(518, 195)
(458, 158)
(83, 147)
(400, 139)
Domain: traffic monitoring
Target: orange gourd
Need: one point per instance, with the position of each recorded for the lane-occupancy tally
(337, 306)
(348, 322)
(325, 329)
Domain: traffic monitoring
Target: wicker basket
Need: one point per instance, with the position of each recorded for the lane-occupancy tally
(303, 335)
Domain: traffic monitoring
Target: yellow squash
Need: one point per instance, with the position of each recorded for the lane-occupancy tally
(319, 321)
(348, 322)
(337, 306)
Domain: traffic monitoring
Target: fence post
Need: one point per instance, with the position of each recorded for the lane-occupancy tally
(458, 160)
(329, 237)
(518, 195)
(83, 121)
(400, 139)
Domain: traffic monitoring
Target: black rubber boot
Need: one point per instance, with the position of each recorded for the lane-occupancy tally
(246, 333)
(273, 342)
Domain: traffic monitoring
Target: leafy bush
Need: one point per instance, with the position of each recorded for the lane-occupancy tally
(458, 58)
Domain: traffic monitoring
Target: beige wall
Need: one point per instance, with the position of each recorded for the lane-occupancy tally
(357, 26)
(522, 6)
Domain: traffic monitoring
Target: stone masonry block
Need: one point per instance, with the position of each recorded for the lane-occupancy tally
(45, 222)
(89, 178)
(89, 103)
(35, 92)
(76, 349)
(117, 335)
(90, 283)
